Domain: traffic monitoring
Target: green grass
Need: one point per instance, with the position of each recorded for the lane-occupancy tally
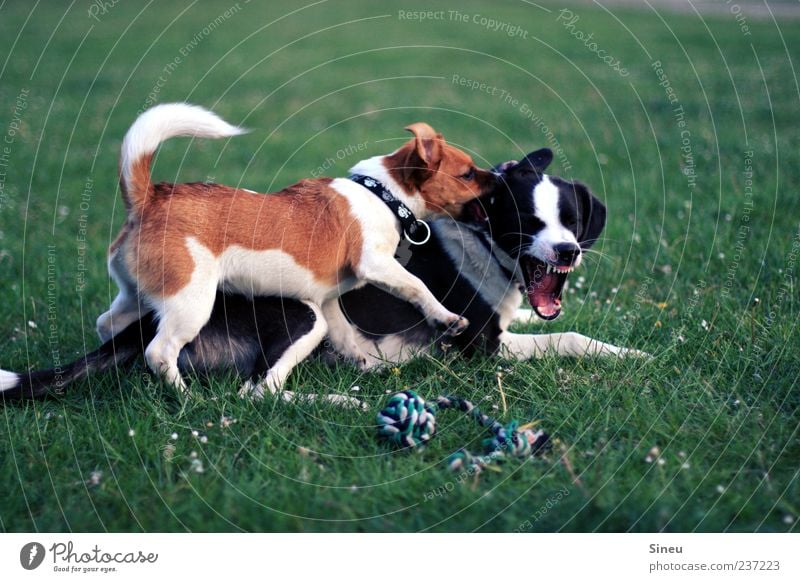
(720, 399)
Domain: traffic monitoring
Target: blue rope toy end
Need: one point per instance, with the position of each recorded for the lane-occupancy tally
(408, 421)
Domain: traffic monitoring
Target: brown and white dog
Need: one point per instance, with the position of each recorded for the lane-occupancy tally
(312, 241)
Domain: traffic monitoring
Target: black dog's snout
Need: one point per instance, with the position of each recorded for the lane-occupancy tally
(567, 253)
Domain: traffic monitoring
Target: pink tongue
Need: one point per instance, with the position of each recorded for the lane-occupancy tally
(541, 295)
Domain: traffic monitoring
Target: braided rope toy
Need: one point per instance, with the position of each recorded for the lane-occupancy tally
(408, 421)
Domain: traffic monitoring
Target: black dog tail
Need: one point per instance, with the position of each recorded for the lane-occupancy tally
(119, 350)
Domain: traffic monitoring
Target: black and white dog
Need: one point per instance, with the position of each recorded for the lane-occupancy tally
(525, 237)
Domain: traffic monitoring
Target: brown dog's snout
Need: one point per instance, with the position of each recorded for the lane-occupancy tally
(486, 180)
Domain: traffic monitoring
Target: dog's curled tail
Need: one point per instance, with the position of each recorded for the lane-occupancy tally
(154, 126)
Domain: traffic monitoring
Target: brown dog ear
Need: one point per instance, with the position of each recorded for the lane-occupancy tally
(429, 144)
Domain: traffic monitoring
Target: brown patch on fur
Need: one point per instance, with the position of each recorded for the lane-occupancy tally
(135, 192)
(309, 221)
(121, 237)
(428, 143)
(438, 172)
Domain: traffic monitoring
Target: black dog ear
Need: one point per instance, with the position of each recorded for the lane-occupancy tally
(592, 216)
(536, 161)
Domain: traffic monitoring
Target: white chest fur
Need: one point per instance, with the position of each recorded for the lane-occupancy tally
(380, 229)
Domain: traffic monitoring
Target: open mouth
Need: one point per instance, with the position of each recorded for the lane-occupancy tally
(544, 284)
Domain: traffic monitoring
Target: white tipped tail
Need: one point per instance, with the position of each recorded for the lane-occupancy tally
(154, 126)
(8, 380)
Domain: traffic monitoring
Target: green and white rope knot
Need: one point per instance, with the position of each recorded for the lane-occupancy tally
(408, 421)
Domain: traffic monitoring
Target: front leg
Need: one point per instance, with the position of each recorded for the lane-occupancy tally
(386, 273)
(294, 353)
(526, 316)
(524, 346)
(256, 391)
(125, 309)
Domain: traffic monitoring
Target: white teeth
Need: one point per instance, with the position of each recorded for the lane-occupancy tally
(562, 270)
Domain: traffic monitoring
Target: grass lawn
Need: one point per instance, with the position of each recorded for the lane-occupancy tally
(684, 125)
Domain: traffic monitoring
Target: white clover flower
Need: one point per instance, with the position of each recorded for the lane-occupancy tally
(94, 478)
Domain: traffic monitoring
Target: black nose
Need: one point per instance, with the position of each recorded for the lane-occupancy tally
(566, 253)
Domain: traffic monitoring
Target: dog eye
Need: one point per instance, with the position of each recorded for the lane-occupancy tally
(470, 175)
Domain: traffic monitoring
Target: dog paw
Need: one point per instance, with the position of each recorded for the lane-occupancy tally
(632, 353)
(456, 327)
(250, 391)
(360, 361)
(181, 388)
(346, 401)
(353, 353)
(104, 329)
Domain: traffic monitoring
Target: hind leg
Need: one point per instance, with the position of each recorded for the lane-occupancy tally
(275, 378)
(298, 351)
(337, 399)
(126, 307)
(181, 317)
